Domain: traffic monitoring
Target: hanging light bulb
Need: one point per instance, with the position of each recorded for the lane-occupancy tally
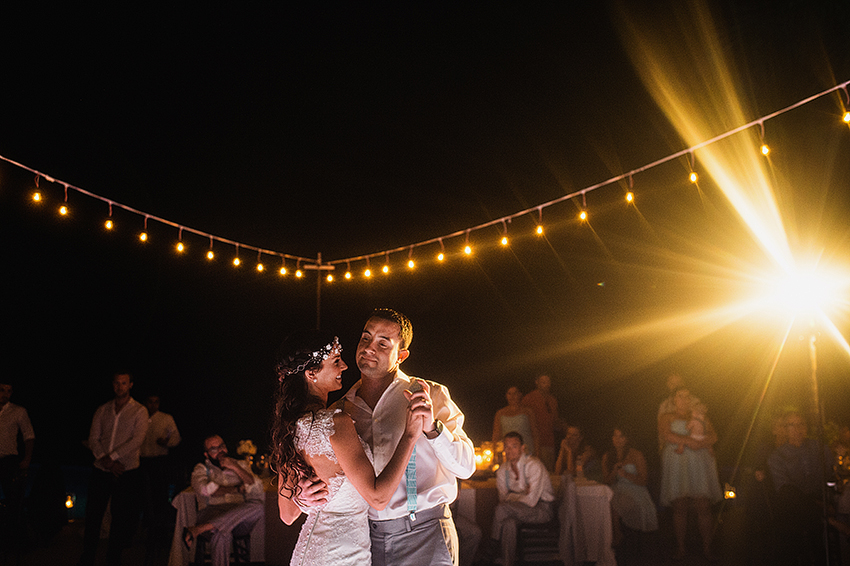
(63, 210)
(108, 225)
(348, 275)
(411, 264)
(630, 197)
(467, 250)
(282, 270)
(368, 272)
(330, 278)
(236, 261)
(504, 241)
(694, 177)
(299, 273)
(582, 215)
(348, 270)
(36, 196)
(180, 247)
(385, 269)
(764, 149)
(260, 267)
(143, 236)
(210, 255)
(441, 256)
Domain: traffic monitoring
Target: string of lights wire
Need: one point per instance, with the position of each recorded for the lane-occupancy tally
(317, 263)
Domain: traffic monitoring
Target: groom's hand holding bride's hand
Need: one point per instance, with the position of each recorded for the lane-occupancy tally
(422, 407)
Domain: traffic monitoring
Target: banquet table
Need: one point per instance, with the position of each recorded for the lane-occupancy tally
(584, 511)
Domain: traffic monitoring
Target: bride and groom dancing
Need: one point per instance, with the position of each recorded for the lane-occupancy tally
(376, 472)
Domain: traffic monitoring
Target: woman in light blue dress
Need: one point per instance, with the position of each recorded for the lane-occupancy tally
(516, 418)
(624, 469)
(688, 471)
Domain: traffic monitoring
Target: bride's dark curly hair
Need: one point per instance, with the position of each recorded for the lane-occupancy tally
(292, 401)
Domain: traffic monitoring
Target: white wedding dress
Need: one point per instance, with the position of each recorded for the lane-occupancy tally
(338, 532)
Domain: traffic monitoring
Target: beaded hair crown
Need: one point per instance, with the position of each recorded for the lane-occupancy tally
(331, 348)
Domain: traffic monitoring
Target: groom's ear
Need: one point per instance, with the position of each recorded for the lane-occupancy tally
(402, 355)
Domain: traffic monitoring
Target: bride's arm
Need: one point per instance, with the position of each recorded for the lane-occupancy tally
(377, 491)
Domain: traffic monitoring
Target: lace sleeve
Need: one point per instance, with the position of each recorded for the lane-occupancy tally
(313, 434)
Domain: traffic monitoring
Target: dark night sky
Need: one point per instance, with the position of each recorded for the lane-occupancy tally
(346, 131)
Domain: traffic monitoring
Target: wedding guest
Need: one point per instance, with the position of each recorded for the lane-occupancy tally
(230, 499)
(516, 418)
(14, 420)
(689, 473)
(797, 469)
(544, 407)
(675, 382)
(576, 457)
(624, 469)
(162, 434)
(117, 432)
(525, 495)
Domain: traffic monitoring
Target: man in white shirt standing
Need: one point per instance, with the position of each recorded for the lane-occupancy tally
(154, 464)
(13, 467)
(117, 432)
(525, 495)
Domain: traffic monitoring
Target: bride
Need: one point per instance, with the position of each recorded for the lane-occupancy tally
(308, 440)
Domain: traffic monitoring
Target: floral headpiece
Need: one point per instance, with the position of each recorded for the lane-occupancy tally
(331, 348)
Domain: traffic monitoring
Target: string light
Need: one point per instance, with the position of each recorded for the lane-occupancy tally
(180, 247)
(236, 260)
(282, 269)
(348, 270)
(38, 196)
(410, 263)
(386, 268)
(466, 248)
(583, 214)
(143, 236)
(210, 253)
(298, 272)
(260, 266)
(108, 224)
(330, 278)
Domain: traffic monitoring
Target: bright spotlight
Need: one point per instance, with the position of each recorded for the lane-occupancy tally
(807, 292)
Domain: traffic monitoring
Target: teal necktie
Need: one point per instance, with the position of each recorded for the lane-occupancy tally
(410, 476)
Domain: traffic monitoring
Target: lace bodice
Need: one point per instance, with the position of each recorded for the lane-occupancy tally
(338, 532)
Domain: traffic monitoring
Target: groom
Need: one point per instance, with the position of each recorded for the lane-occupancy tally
(415, 528)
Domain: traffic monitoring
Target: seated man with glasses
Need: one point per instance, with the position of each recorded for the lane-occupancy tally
(229, 496)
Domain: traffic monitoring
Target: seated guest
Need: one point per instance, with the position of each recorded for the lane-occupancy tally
(525, 495)
(229, 496)
(797, 471)
(576, 457)
(624, 469)
(516, 418)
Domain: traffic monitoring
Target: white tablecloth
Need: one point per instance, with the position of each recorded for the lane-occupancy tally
(584, 512)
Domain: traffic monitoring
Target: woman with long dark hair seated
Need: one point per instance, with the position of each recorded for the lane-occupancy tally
(308, 439)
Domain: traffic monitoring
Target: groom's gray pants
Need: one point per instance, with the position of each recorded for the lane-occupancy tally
(429, 540)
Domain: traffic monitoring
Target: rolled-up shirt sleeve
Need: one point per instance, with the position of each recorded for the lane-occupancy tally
(452, 446)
